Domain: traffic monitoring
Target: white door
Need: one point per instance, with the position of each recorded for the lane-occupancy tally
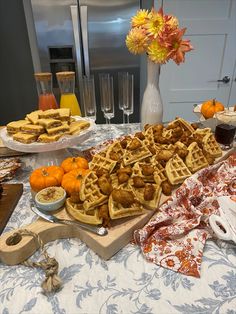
(211, 27)
(232, 99)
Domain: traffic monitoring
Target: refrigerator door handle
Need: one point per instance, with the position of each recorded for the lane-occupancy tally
(84, 31)
(77, 38)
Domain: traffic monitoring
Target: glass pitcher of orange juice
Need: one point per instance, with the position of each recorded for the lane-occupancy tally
(47, 99)
(66, 82)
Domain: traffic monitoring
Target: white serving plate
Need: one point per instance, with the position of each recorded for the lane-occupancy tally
(208, 123)
(64, 142)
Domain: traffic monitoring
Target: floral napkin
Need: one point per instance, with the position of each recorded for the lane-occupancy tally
(175, 236)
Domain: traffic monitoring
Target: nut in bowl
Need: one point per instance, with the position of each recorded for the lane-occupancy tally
(50, 198)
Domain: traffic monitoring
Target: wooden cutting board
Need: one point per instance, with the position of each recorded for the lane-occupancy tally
(119, 235)
(8, 202)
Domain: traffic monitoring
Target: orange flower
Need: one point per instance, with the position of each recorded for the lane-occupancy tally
(171, 261)
(178, 47)
(171, 23)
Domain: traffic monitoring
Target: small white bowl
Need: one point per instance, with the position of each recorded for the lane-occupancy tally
(51, 198)
(211, 122)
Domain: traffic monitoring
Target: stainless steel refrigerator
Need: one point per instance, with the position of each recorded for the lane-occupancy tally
(85, 36)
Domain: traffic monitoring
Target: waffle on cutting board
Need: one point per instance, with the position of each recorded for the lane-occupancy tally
(128, 176)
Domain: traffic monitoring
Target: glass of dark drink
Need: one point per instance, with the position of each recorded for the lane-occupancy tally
(225, 129)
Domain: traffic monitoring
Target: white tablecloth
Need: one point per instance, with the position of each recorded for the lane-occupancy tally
(126, 283)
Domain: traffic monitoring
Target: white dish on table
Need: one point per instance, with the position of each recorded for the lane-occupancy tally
(211, 122)
(63, 142)
(50, 198)
(50, 153)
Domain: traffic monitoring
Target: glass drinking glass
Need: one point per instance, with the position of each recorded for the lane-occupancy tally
(102, 77)
(88, 97)
(121, 76)
(128, 95)
(106, 96)
(225, 128)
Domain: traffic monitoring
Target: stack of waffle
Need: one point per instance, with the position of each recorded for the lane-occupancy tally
(128, 176)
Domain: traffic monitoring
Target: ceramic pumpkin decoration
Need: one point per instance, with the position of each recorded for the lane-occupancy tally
(71, 180)
(72, 163)
(210, 107)
(44, 177)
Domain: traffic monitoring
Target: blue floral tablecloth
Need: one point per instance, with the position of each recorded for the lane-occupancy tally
(124, 284)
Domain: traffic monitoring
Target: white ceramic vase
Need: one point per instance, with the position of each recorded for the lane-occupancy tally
(152, 106)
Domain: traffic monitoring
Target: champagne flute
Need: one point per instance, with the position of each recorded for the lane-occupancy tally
(121, 76)
(106, 96)
(88, 96)
(109, 105)
(102, 78)
(128, 95)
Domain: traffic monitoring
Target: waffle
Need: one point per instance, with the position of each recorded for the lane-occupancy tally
(180, 145)
(133, 155)
(199, 134)
(167, 134)
(151, 204)
(159, 173)
(115, 182)
(99, 161)
(202, 132)
(149, 137)
(176, 170)
(117, 211)
(90, 192)
(138, 171)
(170, 147)
(185, 125)
(182, 123)
(115, 151)
(102, 152)
(195, 160)
(77, 212)
(211, 146)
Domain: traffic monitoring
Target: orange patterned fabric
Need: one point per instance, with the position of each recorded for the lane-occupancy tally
(175, 236)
